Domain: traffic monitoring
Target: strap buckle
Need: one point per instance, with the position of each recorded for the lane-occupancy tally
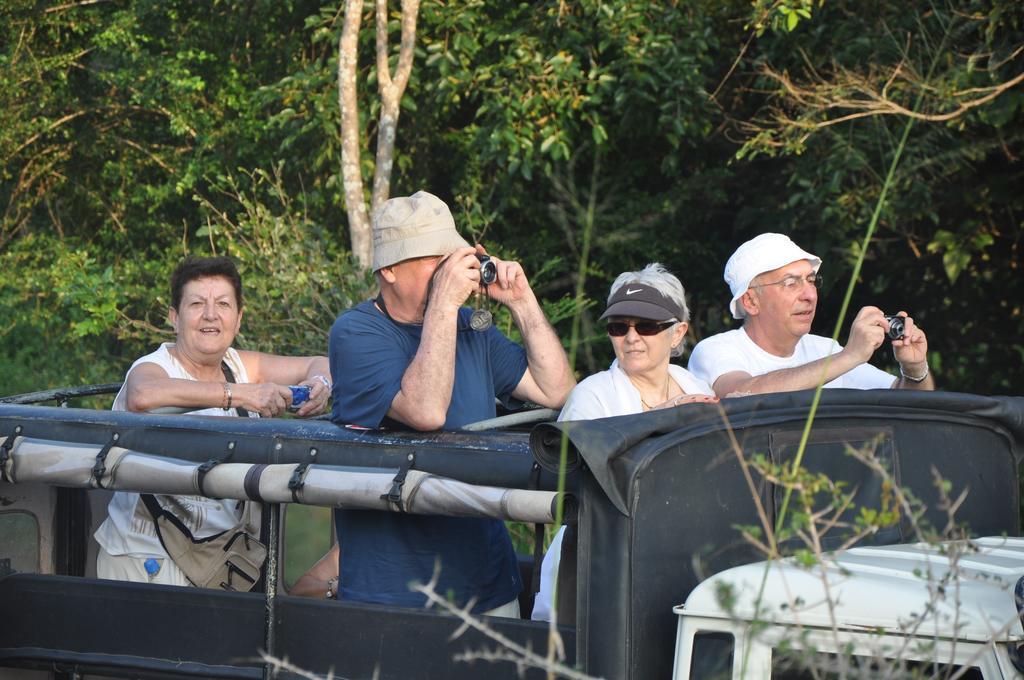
(298, 478)
(100, 467)
(5, 453)
(205, 468)
(394, 496)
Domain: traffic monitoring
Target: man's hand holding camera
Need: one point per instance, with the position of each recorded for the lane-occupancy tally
(510, 285)
(867, 333)
(910, 350)
(455, 279)
(872, 327)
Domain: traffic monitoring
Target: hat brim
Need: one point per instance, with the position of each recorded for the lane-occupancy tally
(639, 310)
(430, 244)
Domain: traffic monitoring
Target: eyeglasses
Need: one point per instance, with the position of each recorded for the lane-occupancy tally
(792, 283)
(617, 329)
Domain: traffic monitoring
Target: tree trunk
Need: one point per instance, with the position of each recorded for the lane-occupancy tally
(352, 178)
(391, 91)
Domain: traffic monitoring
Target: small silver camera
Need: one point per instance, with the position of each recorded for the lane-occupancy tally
(488, 270)
(897, 325)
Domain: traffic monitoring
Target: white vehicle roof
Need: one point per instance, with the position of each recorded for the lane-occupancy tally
(901, 589)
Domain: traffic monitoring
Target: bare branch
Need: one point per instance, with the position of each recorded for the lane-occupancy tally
(72, 5)
(522, 656)
(846, 96)
(50, 128)
(279, 665)
(152, 156)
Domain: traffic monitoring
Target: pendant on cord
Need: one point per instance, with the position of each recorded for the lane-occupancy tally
(481, 319)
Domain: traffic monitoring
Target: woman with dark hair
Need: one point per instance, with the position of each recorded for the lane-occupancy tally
(202, 372)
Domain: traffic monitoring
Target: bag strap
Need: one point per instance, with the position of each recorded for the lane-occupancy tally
(156, 511)
(264, 528)
(229, 375)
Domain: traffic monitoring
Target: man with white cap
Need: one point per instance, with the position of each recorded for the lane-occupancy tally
(774, 286)
(412, 357)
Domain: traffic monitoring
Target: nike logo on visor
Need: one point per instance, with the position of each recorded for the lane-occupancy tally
(630, 292)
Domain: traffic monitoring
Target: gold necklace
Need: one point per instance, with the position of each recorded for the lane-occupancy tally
(648, 407)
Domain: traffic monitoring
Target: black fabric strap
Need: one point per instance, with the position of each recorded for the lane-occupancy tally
(384, 310)
(201, 472)
(5, 453)
(156, 512)
(383, 307)
(230, 377)
(395, 494)
(251, 485)
(100, 468)
(298, 480)
(205, 468)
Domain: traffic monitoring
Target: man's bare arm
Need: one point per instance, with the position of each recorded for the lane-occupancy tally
(787, 379)
(426, 392)
(548, 378)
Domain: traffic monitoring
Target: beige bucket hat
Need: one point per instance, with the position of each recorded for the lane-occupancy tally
(420, 225)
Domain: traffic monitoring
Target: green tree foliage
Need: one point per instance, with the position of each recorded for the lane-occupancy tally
(135, 132)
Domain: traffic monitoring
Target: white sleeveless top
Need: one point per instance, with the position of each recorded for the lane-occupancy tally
(129, 528)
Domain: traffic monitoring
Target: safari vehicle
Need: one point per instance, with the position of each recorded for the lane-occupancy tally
(659, 497)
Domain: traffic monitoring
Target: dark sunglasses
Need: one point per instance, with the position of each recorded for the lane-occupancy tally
(617, 329)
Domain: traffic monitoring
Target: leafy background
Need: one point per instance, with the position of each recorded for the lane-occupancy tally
(136, 132)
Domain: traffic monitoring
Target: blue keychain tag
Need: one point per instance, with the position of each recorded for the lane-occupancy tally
(300, 393)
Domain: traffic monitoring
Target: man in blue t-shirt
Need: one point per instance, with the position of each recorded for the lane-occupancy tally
(411, 357)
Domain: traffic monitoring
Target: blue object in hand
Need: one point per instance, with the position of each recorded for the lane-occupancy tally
(300, 393)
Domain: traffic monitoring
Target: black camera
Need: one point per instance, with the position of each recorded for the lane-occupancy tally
(896, 327)
(488, 270)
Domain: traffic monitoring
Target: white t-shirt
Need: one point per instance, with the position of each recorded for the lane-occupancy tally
(612, 393)
(129, 528)
(602, 395)
(734, 351)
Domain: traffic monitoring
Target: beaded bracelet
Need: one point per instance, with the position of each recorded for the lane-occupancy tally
(914, 379)
(226, 401)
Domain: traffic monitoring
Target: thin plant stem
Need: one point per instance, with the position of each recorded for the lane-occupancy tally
(588, 230)
(868, 235)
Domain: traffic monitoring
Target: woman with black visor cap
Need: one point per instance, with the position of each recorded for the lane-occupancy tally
(647, 319)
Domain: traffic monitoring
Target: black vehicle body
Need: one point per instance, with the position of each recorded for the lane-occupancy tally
(659, 494)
